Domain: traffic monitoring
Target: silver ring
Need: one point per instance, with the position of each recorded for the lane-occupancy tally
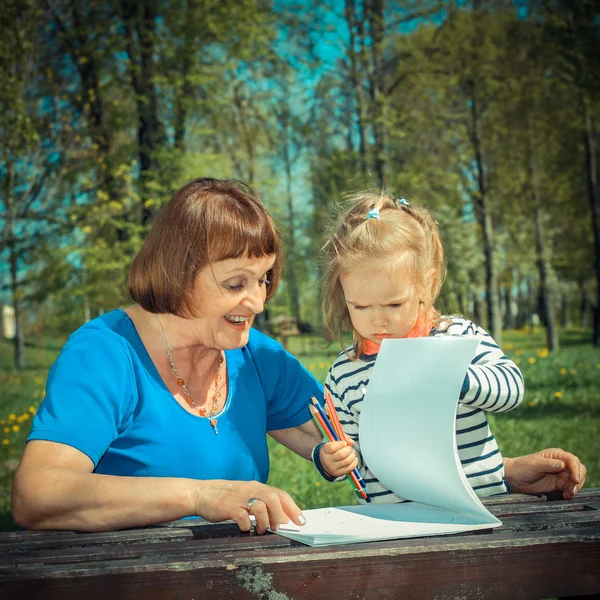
(251, 502)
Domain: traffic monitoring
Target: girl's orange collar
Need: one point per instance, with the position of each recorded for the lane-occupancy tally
(420, 329)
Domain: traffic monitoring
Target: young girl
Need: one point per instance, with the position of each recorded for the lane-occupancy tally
(385, 267)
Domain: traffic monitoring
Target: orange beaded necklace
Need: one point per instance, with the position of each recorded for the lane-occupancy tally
(210, 415)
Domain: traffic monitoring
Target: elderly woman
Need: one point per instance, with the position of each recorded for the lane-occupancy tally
(160, 411)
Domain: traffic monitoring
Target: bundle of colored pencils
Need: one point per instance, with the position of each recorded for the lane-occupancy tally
(332, 431)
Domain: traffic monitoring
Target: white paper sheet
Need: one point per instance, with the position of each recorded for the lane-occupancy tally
(408, 439)
(407, 422)
(363, 523)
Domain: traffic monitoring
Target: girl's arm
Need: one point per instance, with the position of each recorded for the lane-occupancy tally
(55, 488)
(301, 439)
(493, 382)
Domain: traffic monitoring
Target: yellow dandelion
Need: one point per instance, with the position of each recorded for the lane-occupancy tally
(598, 365)
(24, 417)
(531, 360)
(16, 428)
(37, 379)
(311, 367)
(6, 430)
(317, 483)
(31, 410)
(519, 352)
(321, 365)
(572, 371)
(12, 417)
(542, 353)
(509, 346)
(5, 442)
(558, 394)
(532, 403)
(2, 421)
(517, 361)
(563, 371)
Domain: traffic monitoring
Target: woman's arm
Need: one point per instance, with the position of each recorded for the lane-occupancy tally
(54, 488)
(549, 470)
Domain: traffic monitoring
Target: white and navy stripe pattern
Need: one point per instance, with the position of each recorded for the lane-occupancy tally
(493, 383)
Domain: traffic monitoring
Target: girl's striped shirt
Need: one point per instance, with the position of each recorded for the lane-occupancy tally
(493, 383)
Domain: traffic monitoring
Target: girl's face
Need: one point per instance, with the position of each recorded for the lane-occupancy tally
(382, 303)
(229, 294)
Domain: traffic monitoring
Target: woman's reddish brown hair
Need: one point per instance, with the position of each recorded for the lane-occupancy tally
(207, 220)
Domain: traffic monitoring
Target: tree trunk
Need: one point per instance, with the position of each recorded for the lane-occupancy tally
(546, 291)
(478, 311)
(591, 163)
(564, 310)
(509, 321)
(19, 340)
(494, 317)
(352, 20)
(377, 25)
(584, 306)
(139, 19)
(291, 262)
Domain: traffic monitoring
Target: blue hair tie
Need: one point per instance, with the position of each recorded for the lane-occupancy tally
(373, 214)
(402, 201)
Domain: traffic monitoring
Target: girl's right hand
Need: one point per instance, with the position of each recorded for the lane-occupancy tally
(220, 500)
(338, 458)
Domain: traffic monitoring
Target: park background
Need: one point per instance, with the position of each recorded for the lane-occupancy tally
(484, 111)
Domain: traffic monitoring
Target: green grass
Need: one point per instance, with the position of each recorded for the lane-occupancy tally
(561, 408)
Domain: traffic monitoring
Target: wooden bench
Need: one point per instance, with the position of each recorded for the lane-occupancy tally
(544, 549)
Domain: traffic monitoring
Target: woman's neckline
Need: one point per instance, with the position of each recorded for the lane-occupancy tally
(147, 360)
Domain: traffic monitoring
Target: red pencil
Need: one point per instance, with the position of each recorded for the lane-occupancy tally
(333, 416)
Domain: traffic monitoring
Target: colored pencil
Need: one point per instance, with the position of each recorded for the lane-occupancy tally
(337, 425)
(333, 416)
(330, 435)
(326, 434)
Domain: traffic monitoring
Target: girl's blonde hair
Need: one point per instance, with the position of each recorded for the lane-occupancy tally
(405, 232)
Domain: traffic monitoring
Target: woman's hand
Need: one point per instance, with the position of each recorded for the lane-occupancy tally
(220, 500)
(338, 458)
(549, 470)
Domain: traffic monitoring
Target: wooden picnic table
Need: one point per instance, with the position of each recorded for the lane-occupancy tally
(545, 549)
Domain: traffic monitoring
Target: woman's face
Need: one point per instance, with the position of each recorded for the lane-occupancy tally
(228, 294)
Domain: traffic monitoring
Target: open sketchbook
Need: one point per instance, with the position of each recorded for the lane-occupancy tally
(407, 433)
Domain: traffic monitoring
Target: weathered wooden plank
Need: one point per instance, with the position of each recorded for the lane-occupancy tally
(535, 567)
(30, 540)
(195, 552)
(55, 539)
(177, 547)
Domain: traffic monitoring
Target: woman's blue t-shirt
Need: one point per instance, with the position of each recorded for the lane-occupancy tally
(105, 397)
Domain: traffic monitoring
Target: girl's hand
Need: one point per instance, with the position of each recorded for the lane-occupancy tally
(338, 458)
(220, 500)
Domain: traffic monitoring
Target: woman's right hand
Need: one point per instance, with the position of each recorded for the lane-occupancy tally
(220, 500)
